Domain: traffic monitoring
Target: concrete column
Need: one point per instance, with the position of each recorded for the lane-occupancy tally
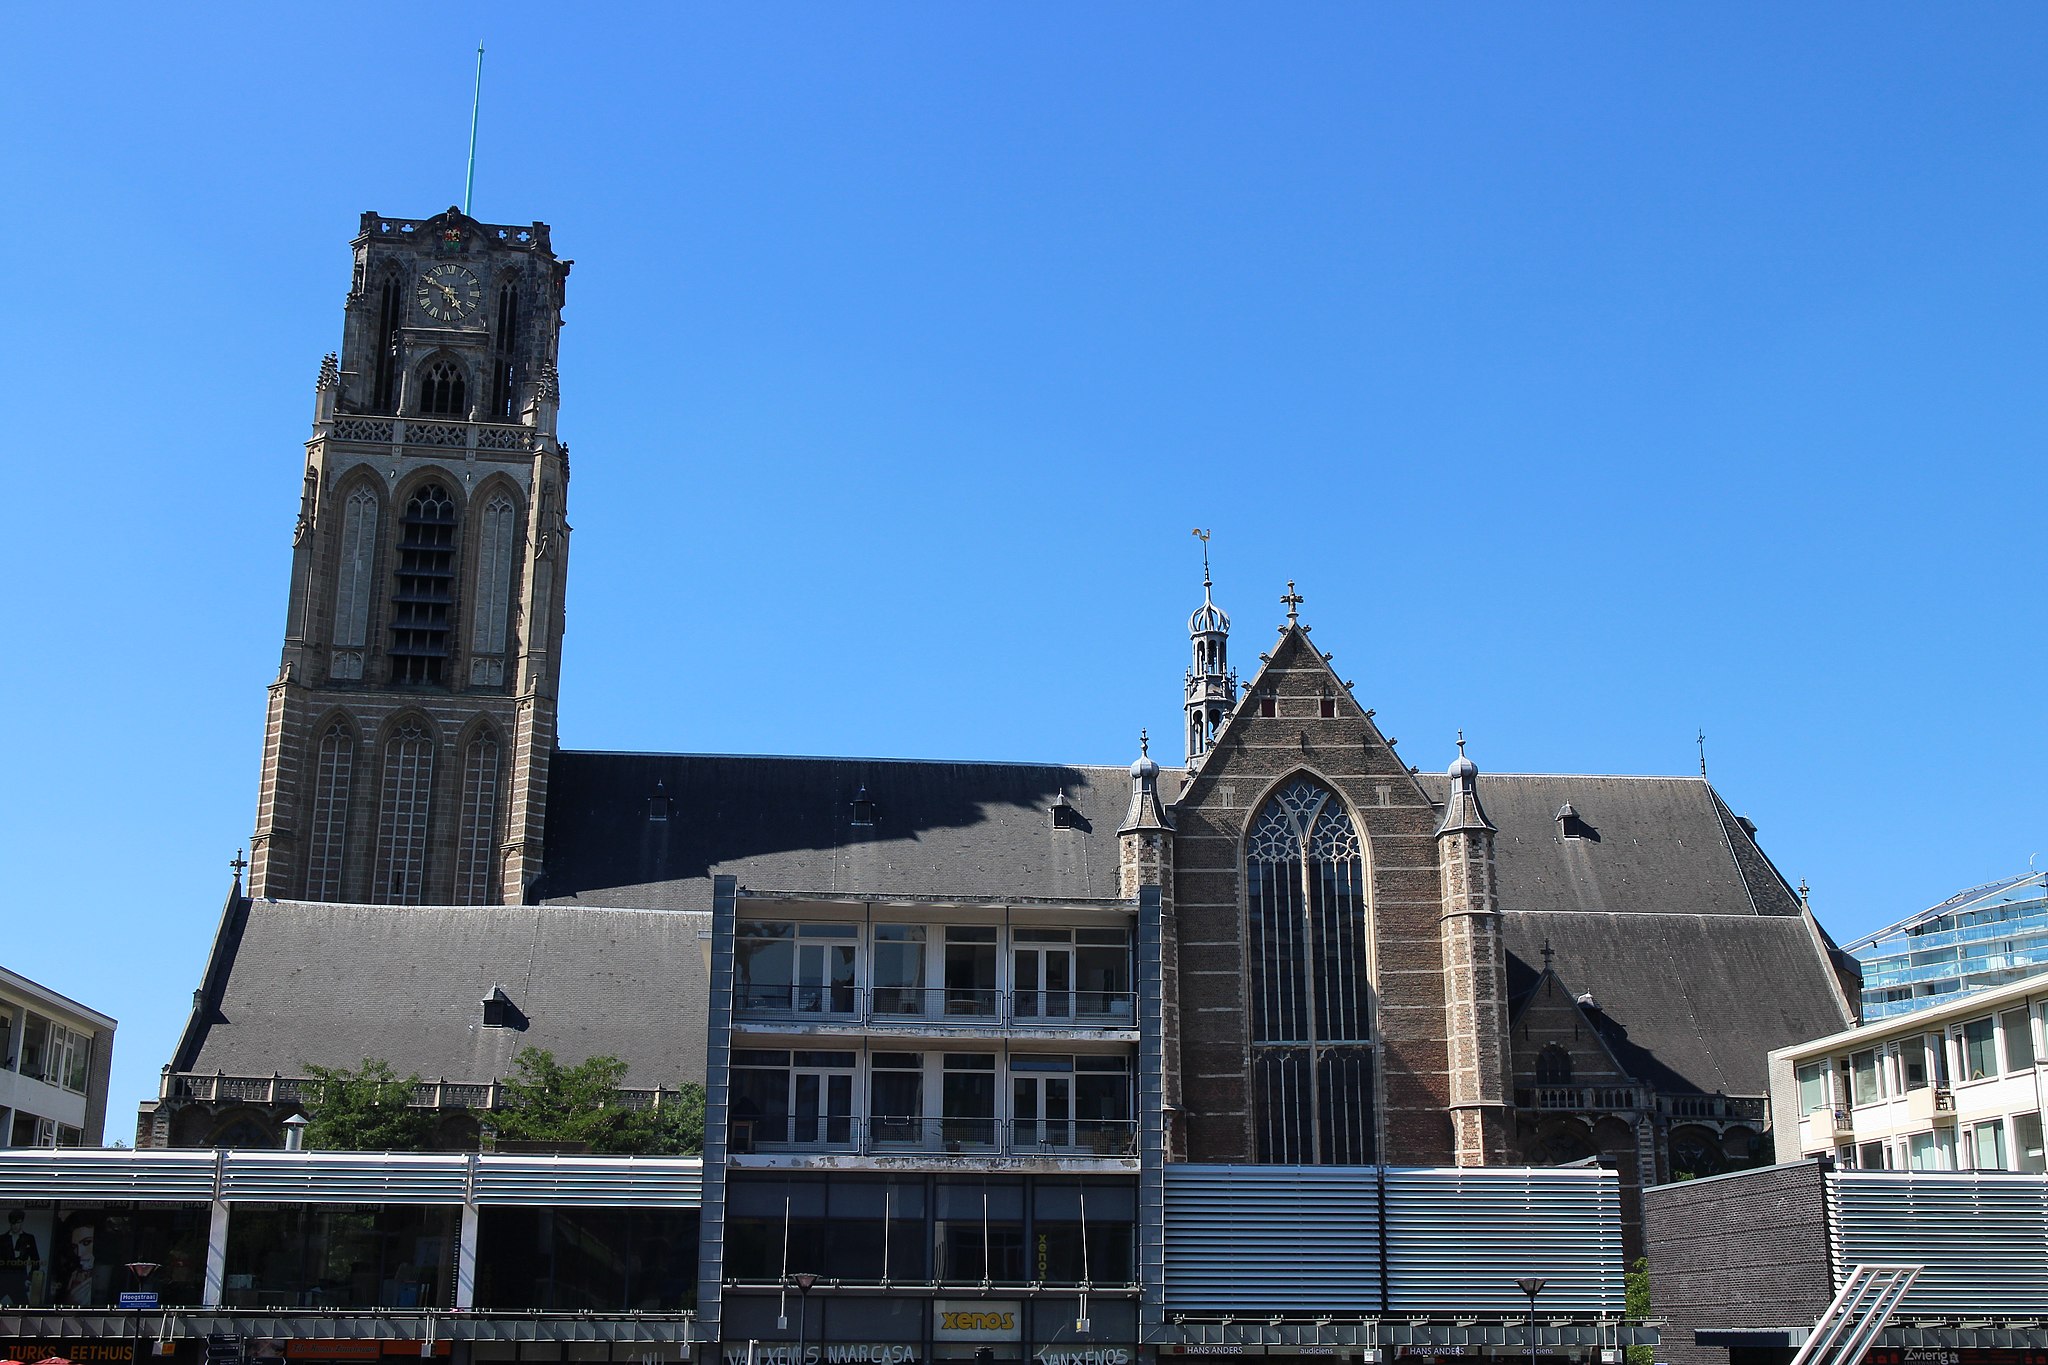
(216, 1256)
(465, 1259)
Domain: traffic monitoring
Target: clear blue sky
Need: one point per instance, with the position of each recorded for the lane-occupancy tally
(1601, 373)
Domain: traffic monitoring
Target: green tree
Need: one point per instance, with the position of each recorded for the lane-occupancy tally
(368, 1109)
(544, 1101)
(1636, 1304)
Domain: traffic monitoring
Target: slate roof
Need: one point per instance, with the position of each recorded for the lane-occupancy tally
(332, 984)
(786, 824)
(1665, 845)
(1687, 1003)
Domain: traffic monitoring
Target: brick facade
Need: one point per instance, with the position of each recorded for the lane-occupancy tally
(380, 435)
(1316, 729)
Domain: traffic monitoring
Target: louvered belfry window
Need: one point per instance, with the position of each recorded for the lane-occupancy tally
(426, 588)
(1311, 999)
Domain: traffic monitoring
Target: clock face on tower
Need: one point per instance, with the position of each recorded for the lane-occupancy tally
(449, 293)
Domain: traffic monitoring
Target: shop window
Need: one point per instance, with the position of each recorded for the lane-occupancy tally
(980, 1231)
(340, 1256)
(570, 1260)
(72, 1256)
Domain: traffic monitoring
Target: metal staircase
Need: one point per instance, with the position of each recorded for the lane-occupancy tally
(1858, 1314)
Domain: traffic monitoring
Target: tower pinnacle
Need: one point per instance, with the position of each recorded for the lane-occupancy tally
(1211, 691)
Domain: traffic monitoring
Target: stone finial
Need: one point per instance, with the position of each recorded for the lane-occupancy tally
(330, 373)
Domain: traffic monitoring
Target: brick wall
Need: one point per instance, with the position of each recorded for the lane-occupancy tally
(1747, 1250)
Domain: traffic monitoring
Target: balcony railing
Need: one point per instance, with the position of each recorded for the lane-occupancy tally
(219, 1087)
(883, 1135)
(938, 1005)
(1622, 1098)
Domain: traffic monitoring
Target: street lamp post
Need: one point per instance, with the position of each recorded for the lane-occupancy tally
(803, 1317)
(1532, 1286)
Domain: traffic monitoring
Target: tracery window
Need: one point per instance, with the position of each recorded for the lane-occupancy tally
(496, 531)
(476, 860)
(1311, 1007)
(402, 826)
(352, 584)
(443, 390)
(426, 587)
(333, 770)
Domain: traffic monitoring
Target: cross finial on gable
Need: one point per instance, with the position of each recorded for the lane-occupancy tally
(1292, 600)
(239, 864)
(1547, 954)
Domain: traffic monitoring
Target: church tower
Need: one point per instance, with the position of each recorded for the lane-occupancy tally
(411, 722)
(1211, 692)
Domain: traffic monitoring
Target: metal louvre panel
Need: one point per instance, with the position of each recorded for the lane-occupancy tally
(1457, 1239)
(1273, 1238)
(344, 1178)
(591, 1181)
(1983, 1239)
(87, 1173)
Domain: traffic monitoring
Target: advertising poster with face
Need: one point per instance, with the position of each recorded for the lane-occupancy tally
(80, 1276)
(24, 1256)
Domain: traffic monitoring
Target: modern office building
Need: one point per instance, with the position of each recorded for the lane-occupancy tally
(55, 1056)
(1986, 936)
(1958, 1086)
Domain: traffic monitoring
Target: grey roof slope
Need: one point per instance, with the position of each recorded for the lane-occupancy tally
(786, 824)
(333, 984)
(1659, 844)
(1687, 1002)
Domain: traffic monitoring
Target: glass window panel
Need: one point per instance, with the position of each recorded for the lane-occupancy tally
(1813, 1086)
(587, 1260)
(2019, 1039)
(1864, 1077)
(342, 1256)
(1980, 1049)
(2027, 1144)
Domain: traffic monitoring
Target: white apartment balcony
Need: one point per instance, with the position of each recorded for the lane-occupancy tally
(1822, 1129)
(1931, 1104)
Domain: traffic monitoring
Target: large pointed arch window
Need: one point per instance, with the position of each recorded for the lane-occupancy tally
(476, 853)
(333, 771)
(402, 823)
(1311, 997)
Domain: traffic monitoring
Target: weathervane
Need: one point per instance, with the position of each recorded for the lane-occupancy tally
(1203, 536)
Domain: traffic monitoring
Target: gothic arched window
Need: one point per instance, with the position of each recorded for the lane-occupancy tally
(496, 532)
(1311, 998)
(333, 769)
(443, 390)
(426, 584)
(476, 855)
(1553, 1065)
(352, 585)
(402, 826)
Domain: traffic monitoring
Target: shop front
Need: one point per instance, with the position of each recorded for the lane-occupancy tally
(829, 1327)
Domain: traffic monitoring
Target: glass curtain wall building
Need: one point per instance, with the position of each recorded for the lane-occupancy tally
(1987, 936)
